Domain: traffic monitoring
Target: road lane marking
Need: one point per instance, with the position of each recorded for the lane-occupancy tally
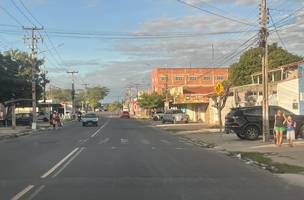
(68, 162)
(23, 192)
(59, 163)
(113, 147)
(165, 141)
(104, 141)
(36, 192)
(124, 141)
(144, 141)
(153, 148)
(94, 134)
(82, 141)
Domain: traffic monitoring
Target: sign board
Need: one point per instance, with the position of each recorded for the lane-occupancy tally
(218, 88)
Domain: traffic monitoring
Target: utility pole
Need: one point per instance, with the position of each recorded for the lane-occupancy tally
(263, 44)
(73, 92)
(166, 107)
(86, 97)
(45, 81)
(34, 40)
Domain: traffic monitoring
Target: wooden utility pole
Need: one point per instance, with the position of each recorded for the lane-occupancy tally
(264, 46)
(166, 106)
(73, 93)
(34, 40)
(86, 97)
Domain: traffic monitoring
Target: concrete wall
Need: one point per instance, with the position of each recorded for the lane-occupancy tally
(288, 95)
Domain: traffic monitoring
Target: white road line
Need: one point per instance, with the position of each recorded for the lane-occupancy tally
(144, 141)
(113, 147)
(153, 148)
(59, 163)
(165, 141)
(36, 192)
(124, 141)
(68, 162)
(104, 141)
(94, 134)
(23, 192)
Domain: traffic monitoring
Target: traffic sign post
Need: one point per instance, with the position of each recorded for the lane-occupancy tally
(218, 88)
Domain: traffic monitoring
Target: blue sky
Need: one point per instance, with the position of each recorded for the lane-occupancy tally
(117, 63)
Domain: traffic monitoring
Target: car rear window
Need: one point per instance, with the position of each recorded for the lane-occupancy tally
(91, 115)
(177, 111)
(253, 111)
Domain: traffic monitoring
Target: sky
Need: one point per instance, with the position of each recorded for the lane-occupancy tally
(116, 43)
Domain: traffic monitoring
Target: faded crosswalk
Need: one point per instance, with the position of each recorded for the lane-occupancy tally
(116, 143)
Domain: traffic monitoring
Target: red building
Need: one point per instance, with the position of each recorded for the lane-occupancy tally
(163, 78)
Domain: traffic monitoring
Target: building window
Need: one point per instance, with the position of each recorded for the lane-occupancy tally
(220, 78)
(164, 78)
(207, 78)
(192, 78)
(178, 78)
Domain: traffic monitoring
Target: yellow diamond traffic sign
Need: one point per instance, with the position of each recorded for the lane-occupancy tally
(218, 88)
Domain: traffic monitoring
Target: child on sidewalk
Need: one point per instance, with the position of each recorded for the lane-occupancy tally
(290, 134)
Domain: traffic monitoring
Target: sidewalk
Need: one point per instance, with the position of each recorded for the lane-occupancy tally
(231, 143)
(8, 132)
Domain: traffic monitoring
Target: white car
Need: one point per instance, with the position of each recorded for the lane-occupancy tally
(175, 116)
(90, 119)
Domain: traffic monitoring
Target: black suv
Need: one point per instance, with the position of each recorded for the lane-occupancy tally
(246, 122)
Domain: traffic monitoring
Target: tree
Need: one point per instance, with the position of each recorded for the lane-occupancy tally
(16, 75)
(60, 95)
(220, 101)
(151, 101)
(115, 106)
(250, 63)
(95, 95)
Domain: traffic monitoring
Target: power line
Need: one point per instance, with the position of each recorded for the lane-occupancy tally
(30, 13)
(216, 14)
(236, 52)
(22, 13)
(11, 16)
(276, 30)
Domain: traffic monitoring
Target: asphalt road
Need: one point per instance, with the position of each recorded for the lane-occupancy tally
(127, 159)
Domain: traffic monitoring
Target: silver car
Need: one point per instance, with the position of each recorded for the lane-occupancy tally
(175, 116)
(90, 119)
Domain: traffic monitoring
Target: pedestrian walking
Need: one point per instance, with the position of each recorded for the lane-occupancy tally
(57, 118)
(279, 127)
(290, 133)
(54, 121)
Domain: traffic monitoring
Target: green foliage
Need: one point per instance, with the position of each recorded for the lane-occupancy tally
(250, 63)
(15, 75)
(96, 94)
(151, 101)
(115, 106)
(60, 95)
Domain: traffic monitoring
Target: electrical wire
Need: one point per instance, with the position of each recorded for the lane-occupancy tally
(213, 13)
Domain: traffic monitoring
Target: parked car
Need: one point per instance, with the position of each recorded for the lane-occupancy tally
(158, 116)
(247, 123)
(22, 119)
(90, 119)
(175, 116)
(125, 114)
(43, 116)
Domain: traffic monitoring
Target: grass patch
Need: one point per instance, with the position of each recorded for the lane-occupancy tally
(264, 161)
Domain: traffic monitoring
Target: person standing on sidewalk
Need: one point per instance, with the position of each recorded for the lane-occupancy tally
(279, 127)
(290, 134)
